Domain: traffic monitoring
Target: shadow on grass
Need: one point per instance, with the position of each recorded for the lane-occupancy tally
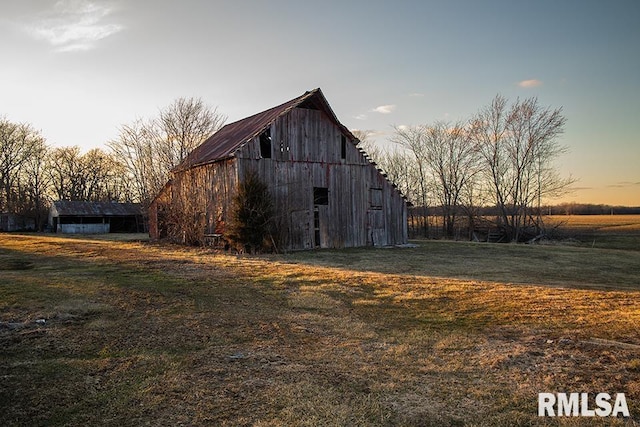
(87, 332)
(563, 266)
(140, 334)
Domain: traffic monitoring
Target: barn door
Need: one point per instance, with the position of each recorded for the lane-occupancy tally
(300, 230)
(320, 216)
(377, 234)
(320, 224)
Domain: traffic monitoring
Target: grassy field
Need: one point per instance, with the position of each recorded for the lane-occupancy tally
(610, 223)
(99, 332)
(598, 231)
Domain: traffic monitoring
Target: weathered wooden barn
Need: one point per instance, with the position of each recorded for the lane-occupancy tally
(325, 190)
(80, 217)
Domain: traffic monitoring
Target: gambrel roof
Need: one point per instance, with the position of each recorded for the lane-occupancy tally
(224, 143)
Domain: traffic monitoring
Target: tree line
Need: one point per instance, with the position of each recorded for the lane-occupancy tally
(133, 167)
(503, 156)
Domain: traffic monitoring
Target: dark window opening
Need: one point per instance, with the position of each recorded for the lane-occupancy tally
(343, 147)
(82, 220)
(265, 144)
(126, 224)
(118, 224)
(320, 196)
(376, 198)
(308, 105)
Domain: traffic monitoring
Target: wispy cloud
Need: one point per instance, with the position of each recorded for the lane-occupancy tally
(74, 25)
(581, 188)
(416, 95)
(530, 83)
(370, 133)
(384, 109)
(624, 184)
(360, 117)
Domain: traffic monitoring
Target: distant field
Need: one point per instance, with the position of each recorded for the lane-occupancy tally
(598, 231)
(97, 332)
(608, 223)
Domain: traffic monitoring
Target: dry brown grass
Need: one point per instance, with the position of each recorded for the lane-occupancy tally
(597, 231)
(138, 334)
(598, 222)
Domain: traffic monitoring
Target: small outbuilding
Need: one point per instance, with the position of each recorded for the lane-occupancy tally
(80, 217)
(15, 222)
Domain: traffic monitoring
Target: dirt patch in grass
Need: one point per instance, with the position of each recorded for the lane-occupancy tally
(138, 334)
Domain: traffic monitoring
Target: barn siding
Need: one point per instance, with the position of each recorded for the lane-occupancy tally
(306, 152)
(195, 203)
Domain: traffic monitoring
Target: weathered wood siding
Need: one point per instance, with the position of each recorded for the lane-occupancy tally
(307, 151)
(196, 202)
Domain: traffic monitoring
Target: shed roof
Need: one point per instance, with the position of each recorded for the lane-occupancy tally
(229, 138)
(81, 208)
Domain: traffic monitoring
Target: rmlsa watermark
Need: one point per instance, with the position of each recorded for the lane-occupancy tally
(579, 405)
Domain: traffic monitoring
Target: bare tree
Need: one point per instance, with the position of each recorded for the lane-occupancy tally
(400, 169)
(134, 150)
(452, 161)
(518, 145)
(93, 176)
(67, 171)
(18, 142)
(181, 127)
(413, 140)
(103, 177)
(36, 186)
(474, 196)
(149, 150)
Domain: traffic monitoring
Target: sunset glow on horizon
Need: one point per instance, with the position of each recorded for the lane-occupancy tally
(79, 69)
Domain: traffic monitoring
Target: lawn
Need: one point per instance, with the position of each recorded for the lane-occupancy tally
(99, 332)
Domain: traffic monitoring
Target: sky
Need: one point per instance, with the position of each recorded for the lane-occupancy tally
(77, 70)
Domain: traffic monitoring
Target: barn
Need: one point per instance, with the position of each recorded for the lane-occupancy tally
(82, 217)
(325, 191)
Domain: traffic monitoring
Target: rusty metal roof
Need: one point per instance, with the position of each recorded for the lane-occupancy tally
(81, 208)
(223, 144)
